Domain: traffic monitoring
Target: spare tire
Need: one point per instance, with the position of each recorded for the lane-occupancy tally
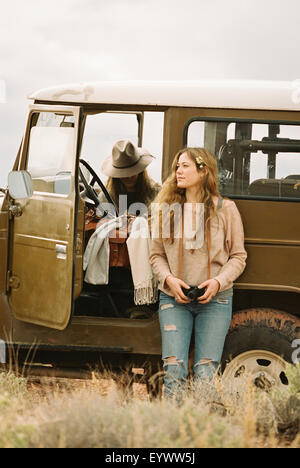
(259, 344)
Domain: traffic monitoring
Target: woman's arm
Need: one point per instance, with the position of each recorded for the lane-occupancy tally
(234, 243)
(158, 260)
(161, 269)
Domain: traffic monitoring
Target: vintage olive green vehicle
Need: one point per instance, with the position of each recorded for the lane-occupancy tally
(253, 128)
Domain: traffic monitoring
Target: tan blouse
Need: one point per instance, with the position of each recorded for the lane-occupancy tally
(227, 253)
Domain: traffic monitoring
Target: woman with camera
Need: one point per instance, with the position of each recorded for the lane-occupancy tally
(195, 268)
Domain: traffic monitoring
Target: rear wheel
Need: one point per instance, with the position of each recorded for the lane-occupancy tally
(258, 346)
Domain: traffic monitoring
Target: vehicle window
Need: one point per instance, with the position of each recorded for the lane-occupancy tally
(260, 160)
(51, 152)
(104, 129)
(196, 134)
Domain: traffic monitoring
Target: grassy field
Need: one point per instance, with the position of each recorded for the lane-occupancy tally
(59, 413)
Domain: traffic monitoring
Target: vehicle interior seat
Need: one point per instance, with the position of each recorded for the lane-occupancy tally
(293, 176)
(265, 187)
(116, 299)
(288, 187)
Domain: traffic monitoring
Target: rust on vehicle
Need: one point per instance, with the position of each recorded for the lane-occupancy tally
(270, 318)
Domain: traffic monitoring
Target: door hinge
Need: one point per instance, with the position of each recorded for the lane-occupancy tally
(15, 211)
(13, 282)
(78, 245)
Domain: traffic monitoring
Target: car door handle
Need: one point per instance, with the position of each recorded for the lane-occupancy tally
(61, 251)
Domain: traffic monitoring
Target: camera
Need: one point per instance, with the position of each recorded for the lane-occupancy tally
(193, 293)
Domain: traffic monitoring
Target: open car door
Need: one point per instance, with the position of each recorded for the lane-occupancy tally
(43, 228)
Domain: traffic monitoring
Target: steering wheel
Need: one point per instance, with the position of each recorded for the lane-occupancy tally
(89, 190)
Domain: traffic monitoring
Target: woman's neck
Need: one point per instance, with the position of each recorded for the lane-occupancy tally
(192, 195)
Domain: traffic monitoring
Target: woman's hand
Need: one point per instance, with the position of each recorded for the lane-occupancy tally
(212, 287)
(175, 285)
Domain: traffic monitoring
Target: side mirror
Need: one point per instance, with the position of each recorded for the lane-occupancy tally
(20, 184)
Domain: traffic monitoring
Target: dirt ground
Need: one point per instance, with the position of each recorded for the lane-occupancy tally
(45, 385)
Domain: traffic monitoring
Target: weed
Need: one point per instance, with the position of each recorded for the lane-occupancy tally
(97, 414)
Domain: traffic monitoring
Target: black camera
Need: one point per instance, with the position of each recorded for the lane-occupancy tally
(193, 293)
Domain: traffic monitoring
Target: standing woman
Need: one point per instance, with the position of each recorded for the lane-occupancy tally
(215, 266)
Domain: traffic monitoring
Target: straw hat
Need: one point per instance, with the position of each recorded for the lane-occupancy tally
(126, 160)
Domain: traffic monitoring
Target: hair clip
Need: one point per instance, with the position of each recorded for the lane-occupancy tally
(200, 162)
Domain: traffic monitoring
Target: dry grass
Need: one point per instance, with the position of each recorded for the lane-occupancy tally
(63, 413)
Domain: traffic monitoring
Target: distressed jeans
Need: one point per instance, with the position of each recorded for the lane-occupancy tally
(210, 322)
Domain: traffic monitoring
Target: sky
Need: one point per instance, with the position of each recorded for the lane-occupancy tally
(64, 41)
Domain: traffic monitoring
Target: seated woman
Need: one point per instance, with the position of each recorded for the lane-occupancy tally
(132, 191)
(127, 176)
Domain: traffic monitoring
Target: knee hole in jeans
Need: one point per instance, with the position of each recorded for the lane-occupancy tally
(204, 361)
(171, 360)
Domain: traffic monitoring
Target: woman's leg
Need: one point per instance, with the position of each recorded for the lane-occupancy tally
(176, 323)
(211, 326)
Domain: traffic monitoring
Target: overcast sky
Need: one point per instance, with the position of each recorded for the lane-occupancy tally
(47, 43)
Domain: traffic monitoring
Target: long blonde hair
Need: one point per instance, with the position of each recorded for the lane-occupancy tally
(208, 188)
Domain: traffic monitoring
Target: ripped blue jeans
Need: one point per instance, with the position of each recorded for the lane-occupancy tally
(210, 322)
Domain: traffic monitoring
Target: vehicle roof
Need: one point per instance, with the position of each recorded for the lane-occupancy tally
(234, 94)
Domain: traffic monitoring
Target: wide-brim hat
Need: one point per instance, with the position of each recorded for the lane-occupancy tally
(126, 160)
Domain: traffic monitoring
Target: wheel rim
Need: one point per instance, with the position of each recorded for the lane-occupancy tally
(264, 369)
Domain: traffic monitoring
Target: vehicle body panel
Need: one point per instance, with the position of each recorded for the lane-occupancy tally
(43, 246)
(239, 94)
(138, 336)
